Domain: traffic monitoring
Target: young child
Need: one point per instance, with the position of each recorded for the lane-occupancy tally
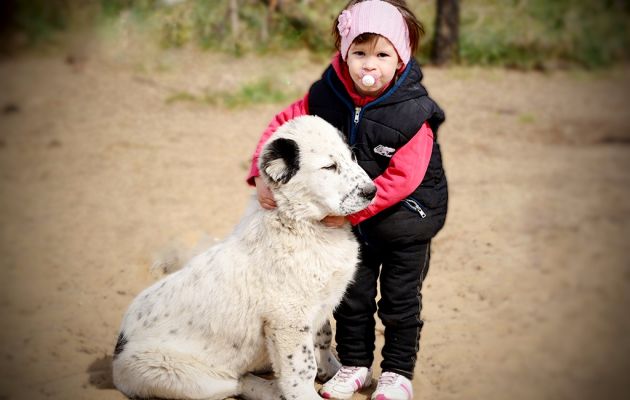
(372, 93)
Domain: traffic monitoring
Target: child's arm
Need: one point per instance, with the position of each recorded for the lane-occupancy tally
(403, 175)
(296, 109)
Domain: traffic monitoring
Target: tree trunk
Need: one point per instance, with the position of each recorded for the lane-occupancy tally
(234, 19)
(267, 22)
(446, 40)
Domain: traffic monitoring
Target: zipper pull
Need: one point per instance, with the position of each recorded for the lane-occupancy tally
(416, 207)
(422, 213)
(357, 111)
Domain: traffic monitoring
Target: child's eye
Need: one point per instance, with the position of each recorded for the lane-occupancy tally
(383, 55)
(359, 53)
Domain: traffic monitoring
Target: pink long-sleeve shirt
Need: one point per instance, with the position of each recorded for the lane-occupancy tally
(406, 168)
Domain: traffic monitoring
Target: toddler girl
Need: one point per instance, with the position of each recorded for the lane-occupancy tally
(372, 93)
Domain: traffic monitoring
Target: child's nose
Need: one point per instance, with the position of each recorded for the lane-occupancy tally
(369, 65)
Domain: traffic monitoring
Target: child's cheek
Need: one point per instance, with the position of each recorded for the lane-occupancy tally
(357, 83)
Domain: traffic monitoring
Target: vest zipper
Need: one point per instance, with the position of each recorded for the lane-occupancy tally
(355, 125)
(358, 110)
(412, 204)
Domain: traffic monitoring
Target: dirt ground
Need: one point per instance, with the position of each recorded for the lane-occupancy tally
(100, 176)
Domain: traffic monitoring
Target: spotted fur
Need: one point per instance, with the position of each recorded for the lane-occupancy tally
(261, 297)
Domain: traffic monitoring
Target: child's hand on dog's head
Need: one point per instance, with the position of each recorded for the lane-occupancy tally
(265, 197)
(334, 221)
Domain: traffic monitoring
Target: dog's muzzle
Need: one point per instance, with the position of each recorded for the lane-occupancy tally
(368, 191)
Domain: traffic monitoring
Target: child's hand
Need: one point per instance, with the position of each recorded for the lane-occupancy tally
(334, 221)
(265, 197)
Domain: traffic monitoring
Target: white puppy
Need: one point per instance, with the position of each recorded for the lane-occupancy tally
(260, 297)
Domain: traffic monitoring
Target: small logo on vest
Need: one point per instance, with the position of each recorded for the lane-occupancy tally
(384, 151)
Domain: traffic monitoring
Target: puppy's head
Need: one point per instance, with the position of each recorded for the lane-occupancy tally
(311, 170)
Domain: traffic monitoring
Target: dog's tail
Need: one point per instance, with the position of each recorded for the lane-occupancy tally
(175, 255)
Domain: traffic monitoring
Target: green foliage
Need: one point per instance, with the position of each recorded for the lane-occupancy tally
(523, 33)
(182, 97)
(140, 9)
(39, 19)
(262, 91)
(530, 33)
(526, 118)
(207, 23)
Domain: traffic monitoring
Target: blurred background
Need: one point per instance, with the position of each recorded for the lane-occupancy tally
(126, 134)
(514, 33)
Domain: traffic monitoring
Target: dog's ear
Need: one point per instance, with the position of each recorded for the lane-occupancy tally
(280, 160)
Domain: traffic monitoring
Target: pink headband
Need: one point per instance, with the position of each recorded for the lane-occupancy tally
(374, 16)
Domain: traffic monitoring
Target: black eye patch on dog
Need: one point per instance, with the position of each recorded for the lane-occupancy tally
(280, 160)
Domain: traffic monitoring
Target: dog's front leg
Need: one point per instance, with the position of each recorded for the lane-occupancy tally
(256, 388)
(327, 364)
(292, 353)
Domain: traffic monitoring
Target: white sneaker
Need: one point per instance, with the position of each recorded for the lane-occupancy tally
(346, 382)
(392, 386)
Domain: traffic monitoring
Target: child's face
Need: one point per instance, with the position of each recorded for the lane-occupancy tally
(377, 58)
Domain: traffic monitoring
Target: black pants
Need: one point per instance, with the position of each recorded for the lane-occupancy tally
(401, 264)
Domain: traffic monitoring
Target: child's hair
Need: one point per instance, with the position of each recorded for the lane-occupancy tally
(414, 26)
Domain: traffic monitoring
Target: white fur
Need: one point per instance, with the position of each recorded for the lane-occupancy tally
(261, 296)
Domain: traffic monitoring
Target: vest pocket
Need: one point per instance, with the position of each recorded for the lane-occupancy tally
(405, 222)
(426, 225)
(414, 205)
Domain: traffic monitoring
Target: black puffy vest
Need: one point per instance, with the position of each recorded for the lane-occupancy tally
(383, 126)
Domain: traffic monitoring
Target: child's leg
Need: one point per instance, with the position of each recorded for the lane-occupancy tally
(354, 333)
(402, 274)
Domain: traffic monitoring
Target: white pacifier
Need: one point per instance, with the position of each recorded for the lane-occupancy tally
(368, 80)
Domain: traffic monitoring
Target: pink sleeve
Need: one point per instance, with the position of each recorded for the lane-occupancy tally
(296, 109)
(403, 175)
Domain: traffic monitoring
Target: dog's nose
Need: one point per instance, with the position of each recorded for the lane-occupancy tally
(368, 191)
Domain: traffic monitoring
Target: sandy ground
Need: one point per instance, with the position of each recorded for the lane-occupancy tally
(99, 177)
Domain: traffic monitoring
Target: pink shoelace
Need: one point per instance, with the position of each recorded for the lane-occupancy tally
(389, 379)
(346, 372)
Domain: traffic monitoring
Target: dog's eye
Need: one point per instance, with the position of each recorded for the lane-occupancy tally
(331, 167)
